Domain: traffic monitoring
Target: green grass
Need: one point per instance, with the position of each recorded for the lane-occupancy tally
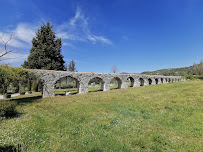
(74, 90)
(166, 117)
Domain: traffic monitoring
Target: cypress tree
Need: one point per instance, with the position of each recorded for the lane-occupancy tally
(71, 66)
(46, 50)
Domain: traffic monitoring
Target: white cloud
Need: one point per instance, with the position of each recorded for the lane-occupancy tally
(94, 39)
(77, 29)
(21, 36)
(10, 39)
(14, 58)
(19, 39)
(25, 32)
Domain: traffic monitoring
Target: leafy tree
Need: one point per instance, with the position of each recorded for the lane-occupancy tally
(198, 68)
(13, 76)
(71, 66)
(46, 50)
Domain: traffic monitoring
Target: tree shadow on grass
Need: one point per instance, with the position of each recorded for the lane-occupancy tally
(26, 99)
(8, 108)
(12, 148)
(95, 91)
(8, 149)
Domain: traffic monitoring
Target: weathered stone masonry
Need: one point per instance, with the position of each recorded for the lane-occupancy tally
(49, 79)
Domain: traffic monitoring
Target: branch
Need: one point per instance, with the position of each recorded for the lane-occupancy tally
(5, 51)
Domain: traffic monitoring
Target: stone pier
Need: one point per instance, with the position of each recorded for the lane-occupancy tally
(50, 77)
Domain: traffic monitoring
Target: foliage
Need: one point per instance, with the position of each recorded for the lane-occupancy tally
(189, 76)
(22, 91)
(171, 72)
(13, 76)
(155, 118)
(35, 86)
(71, 66)
(46, 50)
(7, 108)
(199, 77)
(29, 86)
(197, 69)
(193, 77)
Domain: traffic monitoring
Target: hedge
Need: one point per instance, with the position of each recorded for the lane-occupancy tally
(15, 76)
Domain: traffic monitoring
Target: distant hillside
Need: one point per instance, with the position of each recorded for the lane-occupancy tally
(171, 71)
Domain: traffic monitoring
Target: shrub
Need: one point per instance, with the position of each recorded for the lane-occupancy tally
(22, 92)
(199, 77)
(64, 85)
(14, 76)
(35, 86)
(7, 108)
(29, 87)
(191, 77)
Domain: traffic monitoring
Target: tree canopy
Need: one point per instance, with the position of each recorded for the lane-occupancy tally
(71, 66)
(46, 50)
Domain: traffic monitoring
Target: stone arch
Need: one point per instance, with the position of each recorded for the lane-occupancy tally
(141, 80)
(150, 81)
(166, 80)
(156, 81)
(169, 80)
(67, 85)
(117, 81)
(96, 81)
(131, 80)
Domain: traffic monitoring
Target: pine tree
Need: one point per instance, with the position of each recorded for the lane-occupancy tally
(71, 66)
(46, 50)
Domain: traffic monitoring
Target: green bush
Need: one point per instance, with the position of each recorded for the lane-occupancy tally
(29, 87)
(7, 108)
(191, 77)
(35, 86)
(14, 76)
(199, 77)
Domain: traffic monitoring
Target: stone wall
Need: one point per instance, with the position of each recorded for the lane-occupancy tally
(49, 79)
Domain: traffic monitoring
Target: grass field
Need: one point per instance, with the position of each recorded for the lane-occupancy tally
(167, 117)
(74, 90)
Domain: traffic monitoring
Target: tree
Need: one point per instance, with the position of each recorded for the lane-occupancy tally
(4, 52)
(197, 69)
(71, 66)
(114, 69)
(46, 50)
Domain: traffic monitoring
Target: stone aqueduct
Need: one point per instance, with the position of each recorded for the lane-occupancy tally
(49, 79)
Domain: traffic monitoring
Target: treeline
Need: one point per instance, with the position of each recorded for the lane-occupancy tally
(17, 80)
(195, 71)
(171, 72)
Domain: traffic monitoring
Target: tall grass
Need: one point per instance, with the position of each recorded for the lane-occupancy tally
(155, 118)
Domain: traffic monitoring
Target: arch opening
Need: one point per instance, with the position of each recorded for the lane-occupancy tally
(150, 81)
(66, 86)
(130, 82)
(141, 80)
(156, 81)
(115, 83)
(96, 84)
(162, 80)
(166, 80)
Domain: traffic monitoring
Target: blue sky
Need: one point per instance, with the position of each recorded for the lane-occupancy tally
(134, 35)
